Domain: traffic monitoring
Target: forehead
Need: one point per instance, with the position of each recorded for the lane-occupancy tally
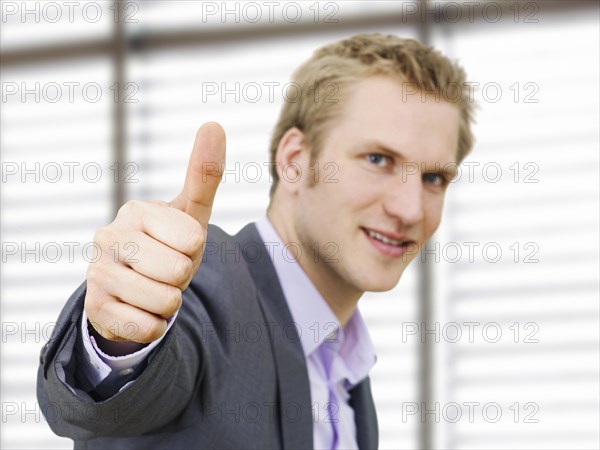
(393, 114)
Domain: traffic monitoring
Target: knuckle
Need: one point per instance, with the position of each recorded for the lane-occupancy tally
(153, 329)
(96, 275)
(94, 307)
(172, 301)
(182, 269)
(91, 306)
(125, 209)
(104, 238)
(130, 208)
(102, 235)
(195, 238)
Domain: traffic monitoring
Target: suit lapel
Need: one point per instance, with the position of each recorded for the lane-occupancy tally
(365, 416)
(292, 374)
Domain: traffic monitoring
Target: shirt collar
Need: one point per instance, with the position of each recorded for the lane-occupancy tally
(314, 320)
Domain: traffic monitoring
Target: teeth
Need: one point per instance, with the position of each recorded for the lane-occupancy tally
(382, 238)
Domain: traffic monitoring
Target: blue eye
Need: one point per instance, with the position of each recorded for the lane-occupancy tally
(434, 178)
(377, 158)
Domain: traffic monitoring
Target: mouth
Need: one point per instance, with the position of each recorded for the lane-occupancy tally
(389, 244)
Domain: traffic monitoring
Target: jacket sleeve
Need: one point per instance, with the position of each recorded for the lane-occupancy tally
(157, 394)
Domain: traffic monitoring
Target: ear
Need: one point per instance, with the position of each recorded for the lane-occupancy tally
(292, 159)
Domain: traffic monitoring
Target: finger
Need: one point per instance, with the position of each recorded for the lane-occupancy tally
(142, 292)
(153, 259)
(204, 173)
(127, 323)
(159, 220)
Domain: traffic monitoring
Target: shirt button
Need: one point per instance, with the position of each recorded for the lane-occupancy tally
(124, 372)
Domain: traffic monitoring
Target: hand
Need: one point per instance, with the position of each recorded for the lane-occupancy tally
(152, 250)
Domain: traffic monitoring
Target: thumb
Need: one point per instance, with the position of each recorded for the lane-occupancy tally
(204, 173)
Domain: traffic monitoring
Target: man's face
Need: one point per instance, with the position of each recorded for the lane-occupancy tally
(386, 196)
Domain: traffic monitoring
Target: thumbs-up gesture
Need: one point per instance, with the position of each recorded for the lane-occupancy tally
(152, 250)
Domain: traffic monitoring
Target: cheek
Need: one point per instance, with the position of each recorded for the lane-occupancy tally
(433, 214)
(342, 190)
(360, 189)
(344, 194)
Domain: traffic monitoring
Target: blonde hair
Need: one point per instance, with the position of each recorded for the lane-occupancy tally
(325, 78)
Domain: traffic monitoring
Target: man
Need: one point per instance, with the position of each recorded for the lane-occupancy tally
(189, 338)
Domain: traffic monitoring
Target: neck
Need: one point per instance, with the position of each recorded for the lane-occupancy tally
(341, 298)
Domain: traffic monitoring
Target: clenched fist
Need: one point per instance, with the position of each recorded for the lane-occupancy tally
(131, 293)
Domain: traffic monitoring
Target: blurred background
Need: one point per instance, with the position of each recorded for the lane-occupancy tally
(491, 339)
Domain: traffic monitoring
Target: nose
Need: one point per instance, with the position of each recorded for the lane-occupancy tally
(404, 199)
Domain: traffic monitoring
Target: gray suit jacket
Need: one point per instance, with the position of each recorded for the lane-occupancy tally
(229, 374)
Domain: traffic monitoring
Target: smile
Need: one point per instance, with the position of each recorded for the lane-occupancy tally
(382, 238)
(394, 246)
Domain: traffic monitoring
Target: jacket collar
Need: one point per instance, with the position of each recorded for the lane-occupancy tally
(292, 374)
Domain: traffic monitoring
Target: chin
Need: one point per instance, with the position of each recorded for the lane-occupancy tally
(379, 283)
